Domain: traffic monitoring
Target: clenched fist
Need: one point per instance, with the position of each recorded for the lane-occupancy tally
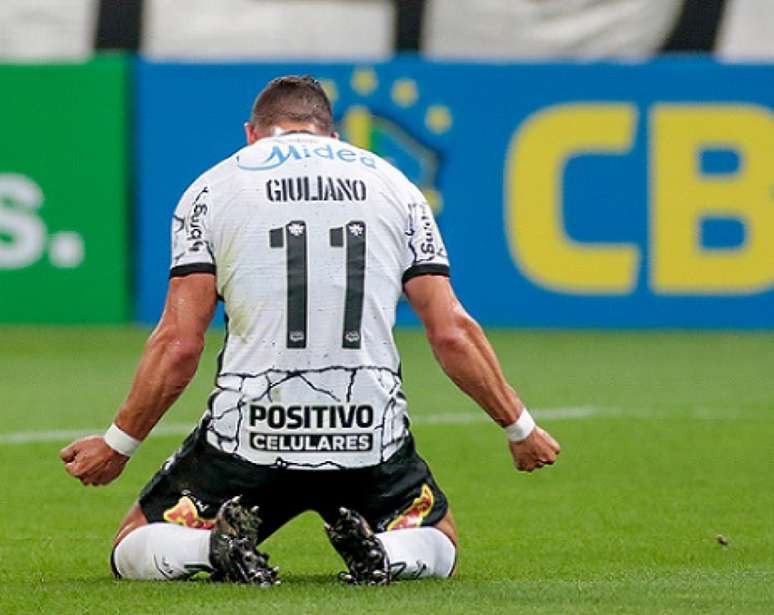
(92, 461)
(535, 451)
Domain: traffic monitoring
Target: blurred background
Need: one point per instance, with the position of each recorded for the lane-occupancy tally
(602, 172)
(36, 30)
(601, 163)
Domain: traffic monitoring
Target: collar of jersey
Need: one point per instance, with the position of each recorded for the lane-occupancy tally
(295, 132)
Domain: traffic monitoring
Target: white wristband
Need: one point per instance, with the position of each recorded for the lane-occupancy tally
(521, 429)
(120, 441)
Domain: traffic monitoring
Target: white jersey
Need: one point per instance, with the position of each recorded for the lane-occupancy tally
(311, 240)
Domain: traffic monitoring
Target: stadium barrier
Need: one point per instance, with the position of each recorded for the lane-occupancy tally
(569, 195)
(64, 192)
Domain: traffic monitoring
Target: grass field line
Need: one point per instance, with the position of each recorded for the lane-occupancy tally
(181, 429)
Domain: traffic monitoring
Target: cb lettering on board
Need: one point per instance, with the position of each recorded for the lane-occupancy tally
(682, 198)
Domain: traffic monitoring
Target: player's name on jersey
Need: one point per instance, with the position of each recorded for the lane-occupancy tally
(312, 443)
(319, 188)
(292, 417)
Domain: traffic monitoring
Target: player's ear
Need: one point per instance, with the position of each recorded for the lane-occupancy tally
(335, 135)
(250, 133)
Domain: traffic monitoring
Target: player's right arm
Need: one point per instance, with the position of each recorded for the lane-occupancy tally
(465, 354)
(172, 352)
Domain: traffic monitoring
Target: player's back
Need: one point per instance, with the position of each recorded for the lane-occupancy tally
(311, 240)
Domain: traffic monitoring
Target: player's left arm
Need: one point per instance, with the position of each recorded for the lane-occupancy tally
(168, 363)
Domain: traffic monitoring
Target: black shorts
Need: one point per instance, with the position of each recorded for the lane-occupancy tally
(189, 489)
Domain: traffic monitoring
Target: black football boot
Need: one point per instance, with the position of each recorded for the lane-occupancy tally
(363, 554)
(234, 547)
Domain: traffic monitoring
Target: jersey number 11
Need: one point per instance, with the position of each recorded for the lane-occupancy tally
(293, 237)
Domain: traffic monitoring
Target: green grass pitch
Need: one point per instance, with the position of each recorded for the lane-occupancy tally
(668, 442)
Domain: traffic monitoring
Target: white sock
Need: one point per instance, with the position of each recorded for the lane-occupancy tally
(418, 553)
(162, 551)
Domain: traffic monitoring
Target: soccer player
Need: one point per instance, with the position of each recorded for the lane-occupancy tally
(309, 242)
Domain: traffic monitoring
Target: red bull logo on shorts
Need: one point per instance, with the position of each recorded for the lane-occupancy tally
(416, 513)
(186, 513)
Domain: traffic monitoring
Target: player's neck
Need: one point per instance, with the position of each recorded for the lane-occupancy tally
(256, 133)
(295, 127)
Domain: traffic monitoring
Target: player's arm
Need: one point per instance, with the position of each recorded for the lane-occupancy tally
(168, 363)
(464, 353)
